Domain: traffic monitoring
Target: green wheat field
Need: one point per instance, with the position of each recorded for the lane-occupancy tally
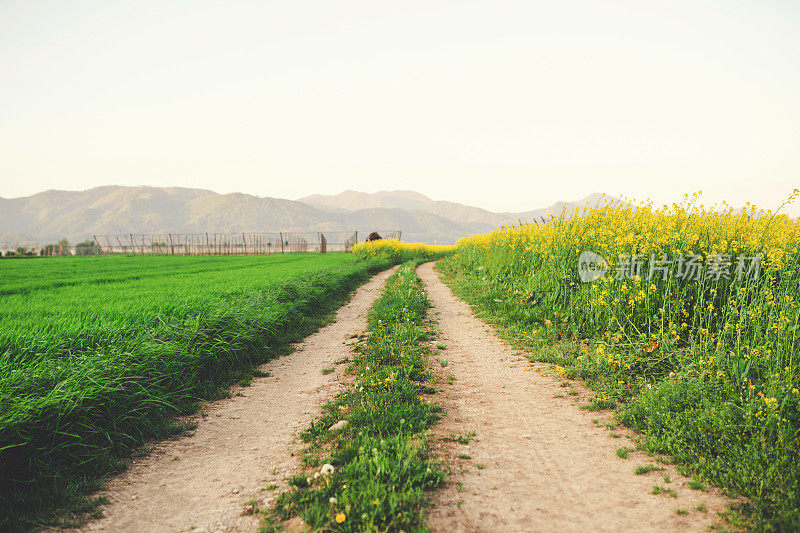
(98, 354)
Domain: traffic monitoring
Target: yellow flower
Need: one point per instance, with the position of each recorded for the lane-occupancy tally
(341, 517)
(772, 403)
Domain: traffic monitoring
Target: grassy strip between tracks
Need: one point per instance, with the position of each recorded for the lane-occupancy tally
(372, 474)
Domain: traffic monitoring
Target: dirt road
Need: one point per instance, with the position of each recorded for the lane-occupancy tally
(241, 446)
(537, 462)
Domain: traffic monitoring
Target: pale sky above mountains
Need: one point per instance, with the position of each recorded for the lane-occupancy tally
(502, 105)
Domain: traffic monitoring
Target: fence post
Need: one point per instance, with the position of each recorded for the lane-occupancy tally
(100, 248)
(171, 245)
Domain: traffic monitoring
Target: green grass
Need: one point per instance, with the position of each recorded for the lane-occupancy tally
(623, 453)
(98, 354)
(460, 439)
(381, 465)
(696, 485)
(645, 469)
(664, 490)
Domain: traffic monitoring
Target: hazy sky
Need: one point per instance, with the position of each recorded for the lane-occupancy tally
(504, 105)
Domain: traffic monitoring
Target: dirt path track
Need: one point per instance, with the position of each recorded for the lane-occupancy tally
(548, 467)
(200, 483)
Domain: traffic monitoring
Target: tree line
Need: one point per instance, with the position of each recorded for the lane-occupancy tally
(62, 247)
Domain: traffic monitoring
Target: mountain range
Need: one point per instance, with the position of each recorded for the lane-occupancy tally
(77, 215)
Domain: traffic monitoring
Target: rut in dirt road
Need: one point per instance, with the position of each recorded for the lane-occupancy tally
(537, 462)
(241, 445)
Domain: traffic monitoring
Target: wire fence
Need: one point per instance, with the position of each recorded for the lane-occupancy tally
(200, 244)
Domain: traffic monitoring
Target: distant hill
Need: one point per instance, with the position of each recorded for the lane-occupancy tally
(353, 200)
(76, 215)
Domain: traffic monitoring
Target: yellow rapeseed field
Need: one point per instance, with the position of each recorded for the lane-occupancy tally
(685, 316)
(401, 250)
(722, 281)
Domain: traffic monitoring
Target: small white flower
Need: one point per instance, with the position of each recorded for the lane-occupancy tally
(308, 480)
(333, 500)
(316, 475)
(327, 469)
